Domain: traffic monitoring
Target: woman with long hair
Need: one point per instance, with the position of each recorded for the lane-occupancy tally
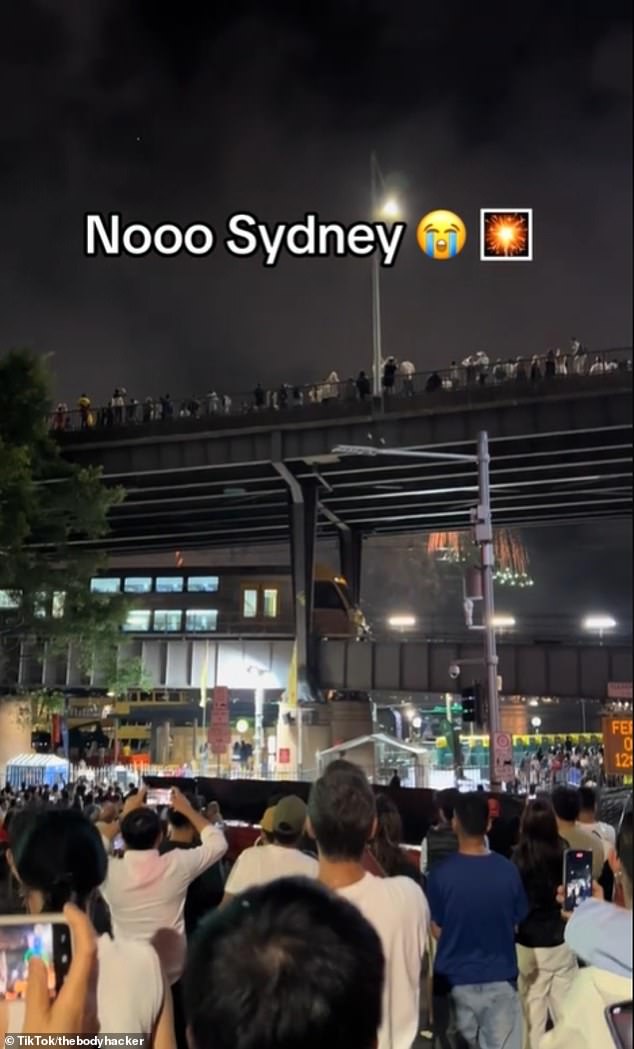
(58, 857)
(547, 967)
(386, 846)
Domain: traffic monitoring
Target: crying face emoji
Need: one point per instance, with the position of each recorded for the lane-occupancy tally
(441, 234)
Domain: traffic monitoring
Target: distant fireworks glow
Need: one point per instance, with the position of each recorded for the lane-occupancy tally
(506, 234)
(511, 556)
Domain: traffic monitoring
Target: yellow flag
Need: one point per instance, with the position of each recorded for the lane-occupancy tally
(291, 691)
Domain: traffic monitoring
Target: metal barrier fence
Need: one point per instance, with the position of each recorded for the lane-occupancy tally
(471, 374)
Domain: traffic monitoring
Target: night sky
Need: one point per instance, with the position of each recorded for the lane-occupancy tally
(188, 112)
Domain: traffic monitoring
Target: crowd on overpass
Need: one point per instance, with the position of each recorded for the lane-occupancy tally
(322, 929)
(399, 379)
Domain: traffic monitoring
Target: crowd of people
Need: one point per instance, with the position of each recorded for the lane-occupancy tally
(548, 767)
(322, 933)
(398, 378)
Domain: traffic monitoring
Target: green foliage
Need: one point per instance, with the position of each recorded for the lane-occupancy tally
(43, 705)
(124, 676)
(47, 505)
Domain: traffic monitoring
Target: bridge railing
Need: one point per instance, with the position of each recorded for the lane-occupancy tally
(472, 374)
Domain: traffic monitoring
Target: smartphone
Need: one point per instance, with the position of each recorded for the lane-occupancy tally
(118, 844)
(157, 797)
(619, 1020)
(46, 936)
(577, 877)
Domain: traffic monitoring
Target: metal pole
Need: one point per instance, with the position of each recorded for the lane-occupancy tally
(300, 744)
(259, 730)
(484, 530)
(377, 352)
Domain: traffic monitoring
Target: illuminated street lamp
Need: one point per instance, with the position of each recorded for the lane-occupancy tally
(402, 622)
(385, 208)
(502, 622)
(599, 623)
(536, 722)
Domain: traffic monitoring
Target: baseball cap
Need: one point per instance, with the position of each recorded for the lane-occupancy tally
(266, 823)
(289, 816)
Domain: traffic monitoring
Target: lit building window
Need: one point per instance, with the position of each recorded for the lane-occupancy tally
(249, 603)
(104, 585)
(168, 620)
(169, 584)
(137, 584)
(40, 605)
(138, 621)
(9, 599)
(59, 604)
(202, 584)
(270, 603)
(201, 621)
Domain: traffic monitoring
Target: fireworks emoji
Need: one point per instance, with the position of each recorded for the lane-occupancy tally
(506, 235)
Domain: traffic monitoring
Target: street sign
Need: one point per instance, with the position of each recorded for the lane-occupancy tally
(617, 746)
(620, 690)
(503, 766)
(219, 733)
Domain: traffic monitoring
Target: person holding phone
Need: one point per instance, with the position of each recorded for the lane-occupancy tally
(72, 1011)
(600, 934)
(58, 858)
(145, 890)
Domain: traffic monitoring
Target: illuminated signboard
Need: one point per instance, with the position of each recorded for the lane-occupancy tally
(617, 742)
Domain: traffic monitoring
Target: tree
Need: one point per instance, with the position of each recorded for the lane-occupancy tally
(46, 505)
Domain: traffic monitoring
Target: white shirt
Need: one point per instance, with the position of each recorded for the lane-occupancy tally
(262, 864)
(146, 893)
(130, 989)
(604, 831)
(398, 910)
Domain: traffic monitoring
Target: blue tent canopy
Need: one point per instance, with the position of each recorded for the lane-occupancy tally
(37, 770)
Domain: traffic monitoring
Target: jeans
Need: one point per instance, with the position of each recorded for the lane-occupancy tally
(488, 1016)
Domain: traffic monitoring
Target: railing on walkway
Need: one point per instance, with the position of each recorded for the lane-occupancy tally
(539, 373)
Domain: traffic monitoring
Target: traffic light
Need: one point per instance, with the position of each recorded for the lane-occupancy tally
(472, 705)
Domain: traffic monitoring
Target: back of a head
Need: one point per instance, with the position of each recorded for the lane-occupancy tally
(342, 811)
(141, 829)
(539, 821)
(59, 853)
(390, 825)
(285, 966)
(177, 819)
(588, 799)
(566, 803)
(472, 815)
(447, 809)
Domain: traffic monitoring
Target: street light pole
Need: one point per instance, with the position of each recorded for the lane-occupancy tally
(483, 531)
(377, 350)
(484, 537)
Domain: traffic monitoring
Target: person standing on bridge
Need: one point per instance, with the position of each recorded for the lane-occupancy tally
(390, 369)
(85, 414)
(363, 386)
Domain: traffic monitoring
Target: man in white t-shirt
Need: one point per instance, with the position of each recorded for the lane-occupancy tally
(262, 864)
(145, 891)
(342, 818)
(588, 820)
